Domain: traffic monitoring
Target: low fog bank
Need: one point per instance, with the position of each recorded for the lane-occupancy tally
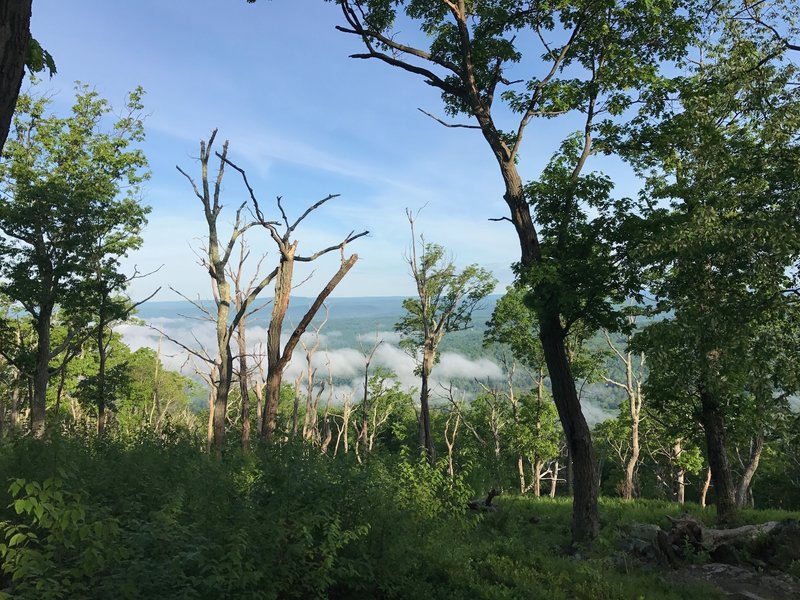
(344, 365)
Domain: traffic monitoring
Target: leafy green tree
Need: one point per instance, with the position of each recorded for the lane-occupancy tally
(154, 394)
(68, 203)
(726, 160)
(446, 298)
(387, 401)
(535, 434)
(585, 57)
(514, 325)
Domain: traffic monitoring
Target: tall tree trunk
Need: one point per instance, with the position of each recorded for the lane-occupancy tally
(537, 477)
(212, 401)
(259, 390)
(680, 486)
(554, 480)
(428, 358)
(13, 414)
(633, 461)
(585, 517)
(273, 389)
(521, 471)
(704, 489)
(296, 408)
(680, 475)
(15, 38)
(750, 470)
(275, 364)
(41, 376)
(634, 391)
(225, 371)
(102, 354)
(714, 426)
(244, 388)
(156, 391)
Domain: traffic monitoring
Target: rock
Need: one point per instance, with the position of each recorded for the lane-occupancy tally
(742, 584)
(781, 547)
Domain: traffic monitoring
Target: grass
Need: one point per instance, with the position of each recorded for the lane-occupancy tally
(156, 518)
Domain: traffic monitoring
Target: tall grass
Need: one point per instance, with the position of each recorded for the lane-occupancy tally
(154, 517)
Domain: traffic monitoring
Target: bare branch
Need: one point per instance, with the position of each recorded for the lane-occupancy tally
(308, 211)
(307, 318)
(316, 255)
(452, 125)
(191, 351)
(195, 303)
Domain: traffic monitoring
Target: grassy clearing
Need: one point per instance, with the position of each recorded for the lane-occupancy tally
(156, 518)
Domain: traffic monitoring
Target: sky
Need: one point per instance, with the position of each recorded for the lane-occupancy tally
(303, 119)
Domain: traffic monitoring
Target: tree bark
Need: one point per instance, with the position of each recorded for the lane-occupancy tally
(537, 478)
(244, 388)
(15, 38)
(426, 439)
(704, 489)
(296, 409)
(275, 364)
(276, 360)
(225, 374)
(102, 353)
(680, 475)
(259, 390)
(13, 415)
(747, 477)
(554, 480)
(212, 401)
(633, 461)
(41, 376)
(714, 426)
(585, 517)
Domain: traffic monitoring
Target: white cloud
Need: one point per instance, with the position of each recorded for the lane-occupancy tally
(388, 337)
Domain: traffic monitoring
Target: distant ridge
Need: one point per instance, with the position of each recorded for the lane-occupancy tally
(363, 307)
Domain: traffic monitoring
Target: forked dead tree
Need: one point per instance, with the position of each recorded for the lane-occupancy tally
(241, 293)
(281, 233)
(217, 255)
(363, 432)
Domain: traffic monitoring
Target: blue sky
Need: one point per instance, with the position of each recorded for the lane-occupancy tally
(302, 118)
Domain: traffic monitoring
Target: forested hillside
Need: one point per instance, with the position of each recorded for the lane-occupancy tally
(609, 411)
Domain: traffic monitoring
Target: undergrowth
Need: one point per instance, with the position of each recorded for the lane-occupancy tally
(155, 517)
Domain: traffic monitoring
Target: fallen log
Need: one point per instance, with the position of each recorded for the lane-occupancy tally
(484, 504)
(774, 545)
(689, 529)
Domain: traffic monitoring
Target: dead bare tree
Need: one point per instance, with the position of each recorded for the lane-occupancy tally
(217, 255)
(363, 434)
(347, 410)
(451, 428)
(634, 375)
(278, 358)
(310, 424)
(241, 292)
